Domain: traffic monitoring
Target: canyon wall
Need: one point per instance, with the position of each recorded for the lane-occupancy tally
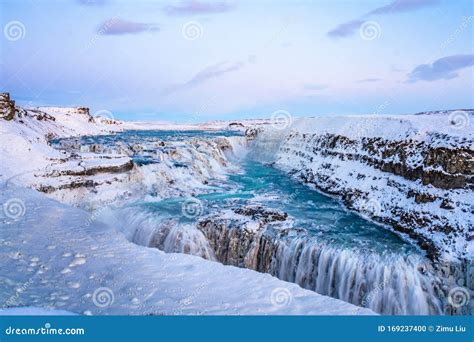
(412, 172)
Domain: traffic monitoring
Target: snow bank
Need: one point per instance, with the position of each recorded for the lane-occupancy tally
(82, 266)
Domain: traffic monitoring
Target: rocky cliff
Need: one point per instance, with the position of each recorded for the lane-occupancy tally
(414, 172)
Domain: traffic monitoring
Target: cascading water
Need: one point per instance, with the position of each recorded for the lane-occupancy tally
(390, 285)
(321, 246)
(165, 233)
(387, 282)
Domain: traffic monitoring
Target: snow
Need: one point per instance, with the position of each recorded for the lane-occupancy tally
(60, 256)
(64, 173)
(33, 311)
(292, 150)
(93, 269)
(391, 127)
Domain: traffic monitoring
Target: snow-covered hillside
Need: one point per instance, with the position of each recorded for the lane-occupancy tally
(25, 135)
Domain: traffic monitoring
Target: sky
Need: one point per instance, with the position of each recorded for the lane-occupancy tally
(195, 61)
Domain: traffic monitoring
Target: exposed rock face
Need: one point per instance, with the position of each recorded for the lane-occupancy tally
(7, 107)
(233, 240)
(445, 168)
(33, 162)
(83, 110)
(157, 169)
(234, 125)
(39, 115)
(265, 215)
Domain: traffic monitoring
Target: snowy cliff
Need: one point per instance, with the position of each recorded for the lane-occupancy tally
(413, 172)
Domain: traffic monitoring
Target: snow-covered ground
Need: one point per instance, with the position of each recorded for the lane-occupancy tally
(56, 256)
(33, 311)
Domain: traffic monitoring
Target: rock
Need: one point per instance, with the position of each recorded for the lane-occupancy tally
(403, 177)
(447, 204)
(40, 115)
(424, 198)
(291, 254)
(235, 124)
(83, 110)
(263, 214)
(223, 144)
(252, 132)
(7, 107)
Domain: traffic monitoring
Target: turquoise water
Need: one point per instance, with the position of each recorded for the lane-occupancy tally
(144, 136)
(324, 218)
(322, 246)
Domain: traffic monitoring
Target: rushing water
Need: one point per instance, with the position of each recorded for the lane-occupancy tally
(333, 251)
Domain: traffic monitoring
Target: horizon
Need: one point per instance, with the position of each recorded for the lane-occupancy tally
(109, 115)
(200, 61)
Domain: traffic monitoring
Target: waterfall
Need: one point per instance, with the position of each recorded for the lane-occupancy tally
(239, 148)
(393, 284)
(151, 230)
(266, 145)
(389, 284)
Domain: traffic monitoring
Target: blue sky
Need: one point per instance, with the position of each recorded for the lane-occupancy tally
(204, 60)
